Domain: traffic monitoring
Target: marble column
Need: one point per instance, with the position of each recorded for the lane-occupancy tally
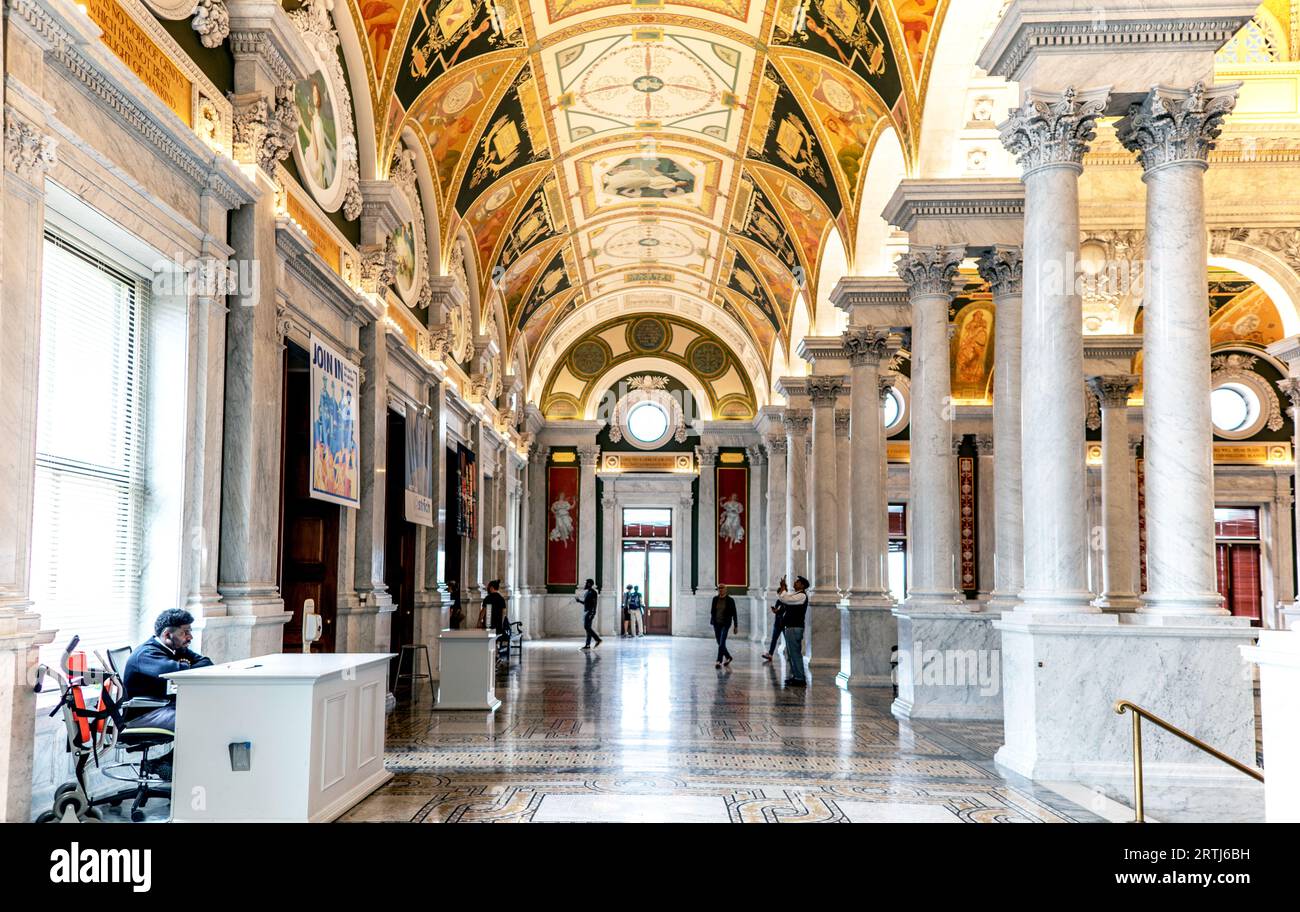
(929, 273)
(868, 631)
(884, 383)
(985, 517)
(473, 579)
(357, 626)
(796, 422)
(610, 619)
(823, 601)
(433, 606)
(29, 154)
(843, 503)
(778, 535)
(1118, 506)
(588, 459)
(1002, 268)
(758, 535)
(706, 575)
(534, 545)
(1290, 386)
(1049, 135)
(1173, 131)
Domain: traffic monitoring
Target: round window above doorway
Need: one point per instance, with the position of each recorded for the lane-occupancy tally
(648, 424)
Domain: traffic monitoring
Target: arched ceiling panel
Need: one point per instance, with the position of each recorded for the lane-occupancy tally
(701, 149)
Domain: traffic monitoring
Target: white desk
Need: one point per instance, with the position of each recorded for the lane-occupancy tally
(316, 725)
(467, 670)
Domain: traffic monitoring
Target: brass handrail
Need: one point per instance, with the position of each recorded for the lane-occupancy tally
(1138, 714)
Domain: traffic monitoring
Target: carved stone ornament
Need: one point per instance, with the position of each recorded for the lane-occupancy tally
(211, 21)
(378, 266)
(823, 390)
(866, 345)
(459, 317)
(776, 446)
(929, 271)
(796, 421)
(434, 343)
(403, 174)
(1093, 408)
(885, 384)
(1290, 386)
(1052, 129)
(1112, 391)
(1235, 368)
(264, 131)
(842, 422)
(28, 152)
(648, 388)
(1003, 268)
(315, 21)
(1176, 125)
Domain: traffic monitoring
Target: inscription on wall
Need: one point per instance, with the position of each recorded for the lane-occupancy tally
(320, 238)
(124, 37)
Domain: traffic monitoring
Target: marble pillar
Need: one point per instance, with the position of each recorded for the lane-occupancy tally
(437, 600)
(588, 459)
(823, 602)
(473, 580)
(796, 423)
(30, 153)
(1290, 386)
(1002, 268)
(929, 273)
(777, 524)
(868, 628)
(843, 503)
(756, 622)
(609, 621)
(534, 545)
(1119, 530)
(985, 518)
(1049, 135)
(706, 576)
(1173, 131)
(358, 625)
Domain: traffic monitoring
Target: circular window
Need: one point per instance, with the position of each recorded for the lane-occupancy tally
(893, 409)
(1234, 407)
(647, 423)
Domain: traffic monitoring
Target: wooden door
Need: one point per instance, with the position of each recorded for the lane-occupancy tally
(399, 538)
(309, 535)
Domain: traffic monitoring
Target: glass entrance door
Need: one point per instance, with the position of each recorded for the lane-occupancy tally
(648, 564)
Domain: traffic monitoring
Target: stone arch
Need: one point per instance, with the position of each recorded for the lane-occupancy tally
(1270, 269)
(887, 167)
(428, 198)
(362, 106)
(827, 319)
(649, 365)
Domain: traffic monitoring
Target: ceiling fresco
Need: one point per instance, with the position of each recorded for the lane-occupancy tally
(590, 147)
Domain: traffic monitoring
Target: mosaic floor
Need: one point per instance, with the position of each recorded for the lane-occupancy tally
(648, 730)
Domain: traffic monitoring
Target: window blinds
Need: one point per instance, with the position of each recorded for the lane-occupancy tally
(87, 535)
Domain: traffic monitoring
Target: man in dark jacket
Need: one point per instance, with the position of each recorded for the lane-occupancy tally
(588, 600)
(168, 651)
(723, 615)
(795, 608)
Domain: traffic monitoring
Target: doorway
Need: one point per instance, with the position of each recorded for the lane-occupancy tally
(648, 563)
(399, 538)
(309, 528)
(1237, 558)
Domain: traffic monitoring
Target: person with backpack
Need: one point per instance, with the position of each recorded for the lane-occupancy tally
(627, 600)
(635, 613)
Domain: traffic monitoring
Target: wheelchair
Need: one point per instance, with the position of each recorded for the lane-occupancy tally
(96, 732)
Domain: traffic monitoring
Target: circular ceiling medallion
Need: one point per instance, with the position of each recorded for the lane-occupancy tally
(458, 96)
(634, 242)
(708, 358)
(647, 84)
(649, 242)
(839, 97)
(649, 334)
(589, 358)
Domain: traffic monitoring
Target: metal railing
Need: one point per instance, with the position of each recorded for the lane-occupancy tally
(1138, 715)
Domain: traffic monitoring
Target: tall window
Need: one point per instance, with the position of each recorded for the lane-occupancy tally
(1237, 553)
(87, 528)
(898, 551)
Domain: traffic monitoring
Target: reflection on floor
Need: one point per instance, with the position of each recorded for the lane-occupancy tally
(649, 730)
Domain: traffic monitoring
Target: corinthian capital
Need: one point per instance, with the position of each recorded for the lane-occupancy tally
(1113, 390)
(29, 153)
(1052, 129)
(1176, 125)
(885, 383)
(1291, 387)
(842, 422)
(866, 344)
(588, 456)
(1002, 268)
(824, 389)
(796, 421)
(929, 271)
(264, 129)
(706, 456)
(378, 266)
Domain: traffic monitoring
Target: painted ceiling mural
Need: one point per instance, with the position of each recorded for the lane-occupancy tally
(591, 147)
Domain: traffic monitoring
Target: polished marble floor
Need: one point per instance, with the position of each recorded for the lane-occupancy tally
(648, 730)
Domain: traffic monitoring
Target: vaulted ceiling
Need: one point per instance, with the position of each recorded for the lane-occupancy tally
(592, 147)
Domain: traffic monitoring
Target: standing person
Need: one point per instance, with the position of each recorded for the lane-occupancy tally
(588, 601)
(494, 604)
(778, 623)
(796, 610)
(457, 612)
(723, 615)
(627, 601)
(635, 617)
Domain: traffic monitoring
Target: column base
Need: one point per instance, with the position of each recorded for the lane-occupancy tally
(1118, 602)
(1204, 604)
(939, 600)
(230, 637)
(1289, 616)
(949, 665)
(1002, 601)
(825, 628)
(1055, 604)
(868, 635)
(1062, 676)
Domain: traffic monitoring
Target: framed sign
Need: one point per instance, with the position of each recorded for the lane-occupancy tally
(733, 526)
(419, 466)
(335, 397)
(562, 525)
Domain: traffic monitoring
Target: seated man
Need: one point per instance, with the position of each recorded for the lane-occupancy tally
(167, 651)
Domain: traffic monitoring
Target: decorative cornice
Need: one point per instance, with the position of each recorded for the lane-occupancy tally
(979, 199)
(1003, 268)
(1053, 129)
(1111, 346)
(1171, 126)
(1113, 390)
(929, 271)
(258, 43)
(29, 153)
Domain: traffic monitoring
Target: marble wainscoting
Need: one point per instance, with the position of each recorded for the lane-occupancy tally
(949, 665)
(1278, 658)
(1062, 676)
(868, 634)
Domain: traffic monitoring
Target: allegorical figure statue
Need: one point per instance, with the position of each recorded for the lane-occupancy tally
(562, 510)
(730, 529)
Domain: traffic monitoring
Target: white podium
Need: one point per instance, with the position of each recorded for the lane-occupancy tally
(467, 675)
(315, 729)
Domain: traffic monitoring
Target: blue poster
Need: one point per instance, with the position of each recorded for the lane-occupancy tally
(335, 403)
